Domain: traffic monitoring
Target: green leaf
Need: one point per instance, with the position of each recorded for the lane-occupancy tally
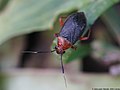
(26, 16)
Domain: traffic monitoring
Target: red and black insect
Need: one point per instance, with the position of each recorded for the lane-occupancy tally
(71, 31)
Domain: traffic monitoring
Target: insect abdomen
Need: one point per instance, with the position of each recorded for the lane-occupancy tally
(73, 27)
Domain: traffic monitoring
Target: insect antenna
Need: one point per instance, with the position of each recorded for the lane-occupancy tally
(38, 51)
(63, 71)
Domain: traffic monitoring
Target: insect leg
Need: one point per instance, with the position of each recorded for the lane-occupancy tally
(87, 37)
(74, 47)
(61, 24)
(56, 34)
(61, 21)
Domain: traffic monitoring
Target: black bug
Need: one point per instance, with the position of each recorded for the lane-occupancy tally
(71, 31)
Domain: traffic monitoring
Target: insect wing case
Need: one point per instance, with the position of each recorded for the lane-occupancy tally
(73, 27)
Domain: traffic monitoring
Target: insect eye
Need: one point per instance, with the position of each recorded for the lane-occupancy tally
(63, 52)
(55, 47)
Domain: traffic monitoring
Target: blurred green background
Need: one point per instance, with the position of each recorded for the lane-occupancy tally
(31, 24)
